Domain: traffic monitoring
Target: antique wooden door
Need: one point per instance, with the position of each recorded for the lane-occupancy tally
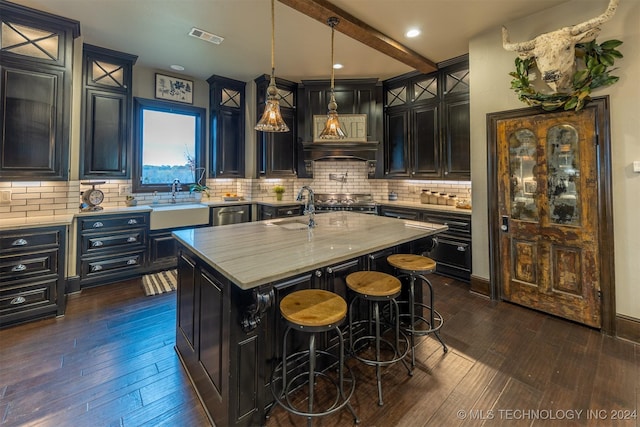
(548, 207)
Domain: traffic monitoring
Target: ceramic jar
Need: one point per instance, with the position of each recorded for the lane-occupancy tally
(424, 196)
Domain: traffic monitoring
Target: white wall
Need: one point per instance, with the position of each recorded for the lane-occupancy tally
(490, 65)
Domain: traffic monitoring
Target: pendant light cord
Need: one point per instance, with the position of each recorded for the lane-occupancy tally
(273, 39)
(333, 24)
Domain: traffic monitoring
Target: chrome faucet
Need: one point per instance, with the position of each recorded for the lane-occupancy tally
(175, 188)
(309, 208)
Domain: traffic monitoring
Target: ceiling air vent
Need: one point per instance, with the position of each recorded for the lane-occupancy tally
(206, 36)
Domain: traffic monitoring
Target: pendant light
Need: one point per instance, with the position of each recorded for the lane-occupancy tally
(332, 129)
(271, 120)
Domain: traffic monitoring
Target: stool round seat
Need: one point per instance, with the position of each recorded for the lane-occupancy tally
(313, 308)
(374, 283)
(413, 263)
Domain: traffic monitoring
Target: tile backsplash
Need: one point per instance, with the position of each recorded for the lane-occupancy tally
(43, 198)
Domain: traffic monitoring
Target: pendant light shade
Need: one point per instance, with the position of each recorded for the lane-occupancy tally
(332, 129)
(271, 120)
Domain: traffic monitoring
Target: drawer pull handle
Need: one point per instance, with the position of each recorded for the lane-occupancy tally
(289, 212)
(97, 244)
(132, 221)
(462, 249)
(132, 261)
(131, 239)
(97, 224)
(18, 300)
(96, 267)
(19, 242)
(19, 267)
(329, 270)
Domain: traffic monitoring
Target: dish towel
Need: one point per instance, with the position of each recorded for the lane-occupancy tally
(159, 283)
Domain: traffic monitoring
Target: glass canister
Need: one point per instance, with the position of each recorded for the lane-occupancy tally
(424, 196)
(442, 199)
(452, 200)
(433, 198)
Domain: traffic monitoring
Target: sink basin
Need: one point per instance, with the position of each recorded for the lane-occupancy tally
(291, 224)
(178, 215)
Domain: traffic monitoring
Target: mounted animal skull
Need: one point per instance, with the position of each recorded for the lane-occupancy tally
(554, 52)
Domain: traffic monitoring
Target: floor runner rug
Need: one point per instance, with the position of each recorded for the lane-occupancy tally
(159, 283)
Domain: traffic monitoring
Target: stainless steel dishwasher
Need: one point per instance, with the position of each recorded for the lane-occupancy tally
(224, 215)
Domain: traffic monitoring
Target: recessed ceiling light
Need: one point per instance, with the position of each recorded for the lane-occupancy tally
(338, 66)
(414, 32)
(177, 67)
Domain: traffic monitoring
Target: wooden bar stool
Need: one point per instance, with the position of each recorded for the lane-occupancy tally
(376, 287)
(312, 311)
(416, 266)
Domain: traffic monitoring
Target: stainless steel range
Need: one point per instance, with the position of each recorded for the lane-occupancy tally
(345, 202)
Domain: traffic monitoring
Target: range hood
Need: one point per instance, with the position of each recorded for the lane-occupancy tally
(339, 150)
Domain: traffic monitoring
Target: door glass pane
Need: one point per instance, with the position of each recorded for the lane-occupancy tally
(563, 175)
(425, 89)
(522, 181)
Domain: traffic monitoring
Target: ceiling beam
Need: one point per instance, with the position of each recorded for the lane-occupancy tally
(351, 26)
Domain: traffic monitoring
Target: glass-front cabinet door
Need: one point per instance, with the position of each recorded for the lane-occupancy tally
(35, 69)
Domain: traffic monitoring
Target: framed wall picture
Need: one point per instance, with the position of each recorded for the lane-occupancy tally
(174, 89)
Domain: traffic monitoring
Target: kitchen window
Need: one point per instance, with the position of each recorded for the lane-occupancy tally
(169, 144)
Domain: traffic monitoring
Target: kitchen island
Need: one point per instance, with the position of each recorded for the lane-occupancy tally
(231, 280)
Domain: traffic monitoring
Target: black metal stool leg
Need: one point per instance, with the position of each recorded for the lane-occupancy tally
(376, 319)
(412, 318)
(341, 374)
(312, 379)
(432, 312)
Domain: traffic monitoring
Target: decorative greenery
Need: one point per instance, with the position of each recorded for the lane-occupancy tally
(597, 58)
(278, 189)
(199, 188)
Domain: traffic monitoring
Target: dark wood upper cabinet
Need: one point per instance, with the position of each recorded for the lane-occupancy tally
(361, 96)
(277, 153)
(36, 56)
(426, 122)
(227, 111)
(106, 113)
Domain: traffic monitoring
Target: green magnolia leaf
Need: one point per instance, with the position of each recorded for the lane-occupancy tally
(579, 77)
(610, 44)
(571, 103)
(607, 59)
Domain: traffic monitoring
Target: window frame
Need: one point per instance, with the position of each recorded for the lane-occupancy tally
(142, 104)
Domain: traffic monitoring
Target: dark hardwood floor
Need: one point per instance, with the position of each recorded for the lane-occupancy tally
(110, 361)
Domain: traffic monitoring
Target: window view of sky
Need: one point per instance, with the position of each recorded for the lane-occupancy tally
(168, 138)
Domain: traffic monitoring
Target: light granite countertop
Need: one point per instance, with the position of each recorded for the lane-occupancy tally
(257, 253)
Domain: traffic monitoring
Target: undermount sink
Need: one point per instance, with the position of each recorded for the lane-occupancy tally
(178, 215)
(290, 223)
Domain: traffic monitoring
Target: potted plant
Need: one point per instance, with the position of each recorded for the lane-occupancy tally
(279, 190)
(130, 201)
(197, 190)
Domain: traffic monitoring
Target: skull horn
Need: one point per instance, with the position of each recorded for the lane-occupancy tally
(517, 47)
(594, 22)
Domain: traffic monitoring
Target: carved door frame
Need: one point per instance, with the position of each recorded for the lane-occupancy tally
(604, 208)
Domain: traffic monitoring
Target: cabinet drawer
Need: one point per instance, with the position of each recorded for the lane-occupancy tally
(27, 265)
(456, 224)
(112, 221)
(451, 252)
(111, 265)
(29, 239)
(95, 243)
(33, 295)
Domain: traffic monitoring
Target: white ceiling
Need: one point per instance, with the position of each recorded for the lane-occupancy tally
(156, 31)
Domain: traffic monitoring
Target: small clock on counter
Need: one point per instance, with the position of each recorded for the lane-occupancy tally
(92, 198)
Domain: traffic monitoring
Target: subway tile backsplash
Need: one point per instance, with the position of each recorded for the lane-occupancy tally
(42, 198)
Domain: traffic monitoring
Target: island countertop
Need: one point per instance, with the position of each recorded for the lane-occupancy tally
(257, 253)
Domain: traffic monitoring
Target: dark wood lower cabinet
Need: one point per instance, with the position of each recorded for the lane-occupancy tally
(229, 342)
